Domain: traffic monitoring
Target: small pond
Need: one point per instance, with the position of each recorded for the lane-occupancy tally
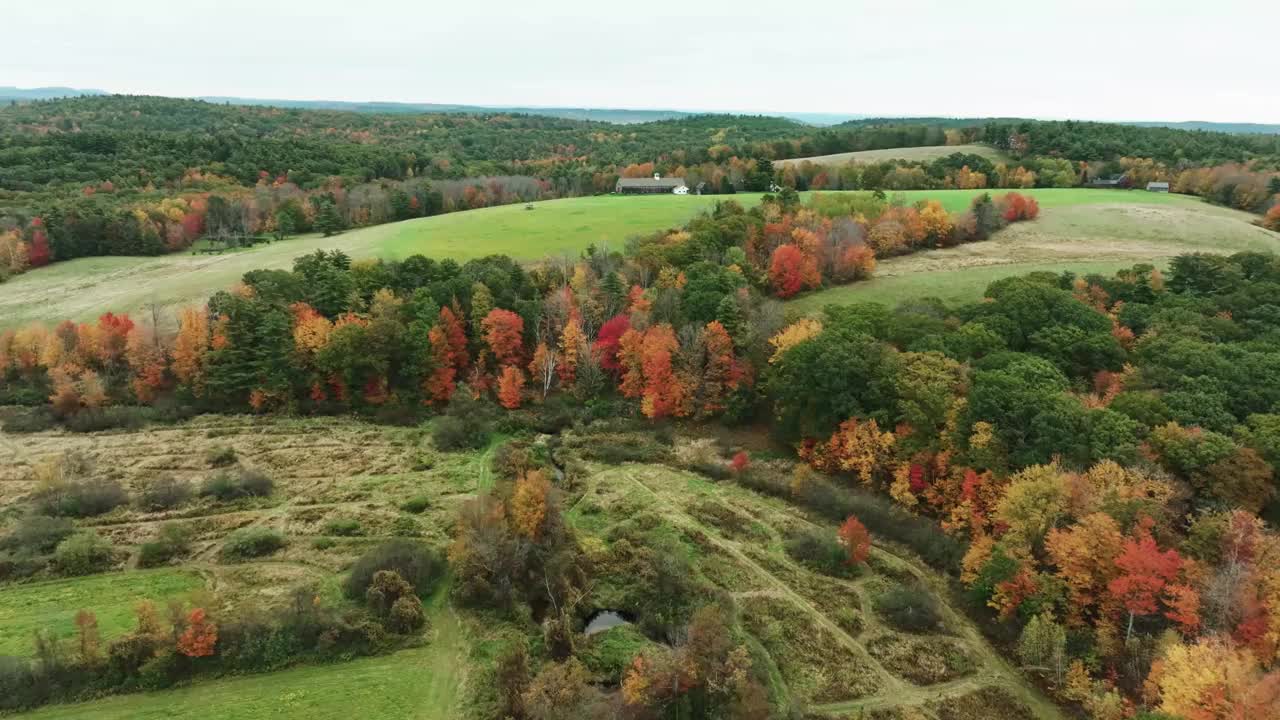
(603, 620)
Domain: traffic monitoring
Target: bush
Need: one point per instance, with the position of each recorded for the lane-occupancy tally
(511, 459)
(908, 608)
(821, 552)
(165, 492)
(406, 615)
(323, 543)
(220, 456)
(30, 421)
(343, 527)
(173, 540)
(37, 535)
(251, 542)
(110, 418)
(80, 498)
(406, 526)
(83, 553)
(451, 433)
(418, 563)
(416, 504)
(237, 483)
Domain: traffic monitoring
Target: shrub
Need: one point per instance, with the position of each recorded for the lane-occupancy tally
(406, 615)
(110, 418)
(451, 433)
(80, 498)
(343, 527)
(237, 483)
(406, 526)
(467, 423)
(821, 552)
(909, 608)
(418, 563)
(252, 542)
(511, 459)
(220, 456)
(37, 535)
(83, 553)
(416, 504)
(323, 543)
(164, 492)
(173, 540)
(30, 421)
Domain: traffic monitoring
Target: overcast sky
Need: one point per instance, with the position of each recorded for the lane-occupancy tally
(1114, 60)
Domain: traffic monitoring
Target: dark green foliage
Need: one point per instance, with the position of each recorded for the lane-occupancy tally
(236, 483)
(80, 498)
(416, 504)
(840, 374)
(36, 535)
(821, 552)
(343, 527)
(83, 553)
(172, 541)
(29, 421)
(417, 563)
(220, 456)
(466, 424)
(115, 417)
(163, 492)
(251, 542)
(909, 608)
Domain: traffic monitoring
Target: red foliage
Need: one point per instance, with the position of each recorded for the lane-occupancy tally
(740, 462)
(455, 339)
(663, 393)
(608, 339)
(1016, 206)
(510, 385)
(785, 271)
(504, 332)
(1145, 571)
(38, 252)
(439, 385)
(200, 636)
(917, 482)
(855, 539)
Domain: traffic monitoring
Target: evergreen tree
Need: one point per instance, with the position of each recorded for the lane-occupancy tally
(730, 316)
(481, 305)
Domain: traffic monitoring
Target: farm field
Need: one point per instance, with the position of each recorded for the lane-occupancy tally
(922, 154)
(1082, 237)
(85, 288)
(821, 638)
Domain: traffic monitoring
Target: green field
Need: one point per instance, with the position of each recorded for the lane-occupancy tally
(53, 605)
(1082, 231)
(85, 288)
(922, 154)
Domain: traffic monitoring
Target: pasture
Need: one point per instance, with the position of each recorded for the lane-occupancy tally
(919, 154)
(85, 288)
(1078, 231)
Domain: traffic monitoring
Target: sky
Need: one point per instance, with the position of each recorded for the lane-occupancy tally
(1116, 60)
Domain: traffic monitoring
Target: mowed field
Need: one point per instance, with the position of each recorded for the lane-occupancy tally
(1076, 225)
(921, 154)
(1082, 231)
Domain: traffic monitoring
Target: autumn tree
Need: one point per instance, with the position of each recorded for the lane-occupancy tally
(529, 503)
(572, 343)
(608, 341)
(200, 635)
(510, 387)
(87, 637)
(1085, 555)
(542, 368)
(663, 392)
(1144, 572)
(792, 335)
(786, 271)
(856, 540)
(504, 334)
(720, 375)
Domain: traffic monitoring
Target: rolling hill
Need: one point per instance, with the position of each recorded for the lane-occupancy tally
(923, 154)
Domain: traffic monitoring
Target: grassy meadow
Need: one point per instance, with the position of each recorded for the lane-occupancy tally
(84, 288)
(919, 154)
(52, 605)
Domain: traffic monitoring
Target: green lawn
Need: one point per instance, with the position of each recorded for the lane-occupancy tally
(112, 597)
(85, 288)
(417, 684)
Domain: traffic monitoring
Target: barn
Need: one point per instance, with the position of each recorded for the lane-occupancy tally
(651, 186)
(1157, 187)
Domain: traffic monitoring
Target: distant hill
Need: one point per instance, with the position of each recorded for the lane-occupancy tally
(8, 93)
(613, 115)
(1237, 128)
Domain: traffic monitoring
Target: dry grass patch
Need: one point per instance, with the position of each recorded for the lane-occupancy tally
(922, 660)
(985, 704)
(814, 663)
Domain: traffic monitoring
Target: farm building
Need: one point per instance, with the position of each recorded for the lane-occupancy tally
(1157, 187)
(651, 186)
(1118, 182)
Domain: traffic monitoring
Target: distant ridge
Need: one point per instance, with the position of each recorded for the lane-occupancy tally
(623, 116)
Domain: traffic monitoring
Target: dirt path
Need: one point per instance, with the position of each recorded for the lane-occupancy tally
(991, 668)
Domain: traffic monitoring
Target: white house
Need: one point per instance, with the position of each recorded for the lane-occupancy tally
(681, 190)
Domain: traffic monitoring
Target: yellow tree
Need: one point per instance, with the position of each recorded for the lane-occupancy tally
(792, 335)
(190, 347)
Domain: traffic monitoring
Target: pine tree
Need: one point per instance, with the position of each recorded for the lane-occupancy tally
(729, 315)
(481, 306)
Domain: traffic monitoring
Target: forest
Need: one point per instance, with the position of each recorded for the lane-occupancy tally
(128, 175)
(1089, 459)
